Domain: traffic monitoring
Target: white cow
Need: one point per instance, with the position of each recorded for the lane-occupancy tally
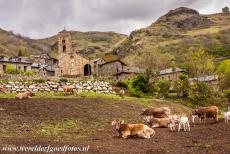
(183, 121)
(226, 116)
(174, 119)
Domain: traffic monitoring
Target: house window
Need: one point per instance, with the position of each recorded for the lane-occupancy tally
(19, 68)
(25, 68)
(63, 41)
(4, 68)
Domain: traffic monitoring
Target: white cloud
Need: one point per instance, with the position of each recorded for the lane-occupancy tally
(43, 18)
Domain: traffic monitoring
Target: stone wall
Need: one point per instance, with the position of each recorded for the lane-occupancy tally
(52, 86)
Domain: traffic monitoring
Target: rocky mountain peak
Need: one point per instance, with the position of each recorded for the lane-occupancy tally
(184, 18)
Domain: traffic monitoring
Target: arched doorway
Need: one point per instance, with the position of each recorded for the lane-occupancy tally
(87, 70)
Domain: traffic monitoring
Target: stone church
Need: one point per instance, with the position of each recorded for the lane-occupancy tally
(70, 63)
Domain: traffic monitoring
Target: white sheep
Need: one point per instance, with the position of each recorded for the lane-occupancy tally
(185, 123)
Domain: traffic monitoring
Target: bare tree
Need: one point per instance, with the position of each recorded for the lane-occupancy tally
(152, 60)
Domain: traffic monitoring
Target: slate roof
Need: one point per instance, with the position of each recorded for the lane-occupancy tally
(205, 78)
(136, 70)
(15, 60)
(171, 70)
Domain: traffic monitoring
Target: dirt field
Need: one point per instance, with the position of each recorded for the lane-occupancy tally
(86, 121)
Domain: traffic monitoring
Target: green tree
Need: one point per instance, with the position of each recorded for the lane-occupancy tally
(23, 52)
(200, 63)
(182, 86)
(223, 70)
(163, 87)
(152, 60)
(138, 86)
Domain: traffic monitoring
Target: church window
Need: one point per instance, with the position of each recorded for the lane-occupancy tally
(64, 48)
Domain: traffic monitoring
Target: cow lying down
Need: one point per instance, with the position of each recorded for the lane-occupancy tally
(161, 112)
(24, 95)
(157, 122)
(139, 130)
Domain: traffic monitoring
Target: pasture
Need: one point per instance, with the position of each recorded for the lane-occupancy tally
(86, 120)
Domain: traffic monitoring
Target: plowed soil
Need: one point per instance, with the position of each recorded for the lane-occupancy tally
(21, 119)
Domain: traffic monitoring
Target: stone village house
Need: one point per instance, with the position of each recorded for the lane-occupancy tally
(212, 80)
(171, 74)
(127, 73)
(19, 63)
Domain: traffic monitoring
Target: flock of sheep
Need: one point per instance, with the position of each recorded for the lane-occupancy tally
(162, 117)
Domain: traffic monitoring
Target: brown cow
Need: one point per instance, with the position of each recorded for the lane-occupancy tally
(139, 130)
(119, 91)
(206, 112)
(162, 112)
(157, 122)
(24, 95)
(2, 89)
(68, 90)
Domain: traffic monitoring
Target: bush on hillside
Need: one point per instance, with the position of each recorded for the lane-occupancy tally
(29, 73)
(227, 94)
(38, 80)
(203, 95)
(138, 86)
(182, 86)
(163, 87)
(121, 84)
(63, 80)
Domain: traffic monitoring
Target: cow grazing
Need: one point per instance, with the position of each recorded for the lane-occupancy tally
(139, 130)
(159, 122)
(119, 91)
(226, 116)
(24, 95)
(68, 90)
(206, 112)
(162, 112)
(183, 121)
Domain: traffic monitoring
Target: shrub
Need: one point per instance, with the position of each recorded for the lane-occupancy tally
(39, 80)
(29, 73)
(63, 80)
(138, 86)
(10, 69)
(227, 94)
(121, 84)
(203, 95)
(182, 86)
(163, 87)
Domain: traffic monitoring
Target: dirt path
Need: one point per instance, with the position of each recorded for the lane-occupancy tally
(20, 120)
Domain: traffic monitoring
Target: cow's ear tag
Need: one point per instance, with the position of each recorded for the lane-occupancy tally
(122, 121)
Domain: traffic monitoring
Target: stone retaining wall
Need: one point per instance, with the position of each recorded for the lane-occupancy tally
(52, 86)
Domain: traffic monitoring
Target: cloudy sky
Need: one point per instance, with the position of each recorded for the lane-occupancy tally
(43, 18)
